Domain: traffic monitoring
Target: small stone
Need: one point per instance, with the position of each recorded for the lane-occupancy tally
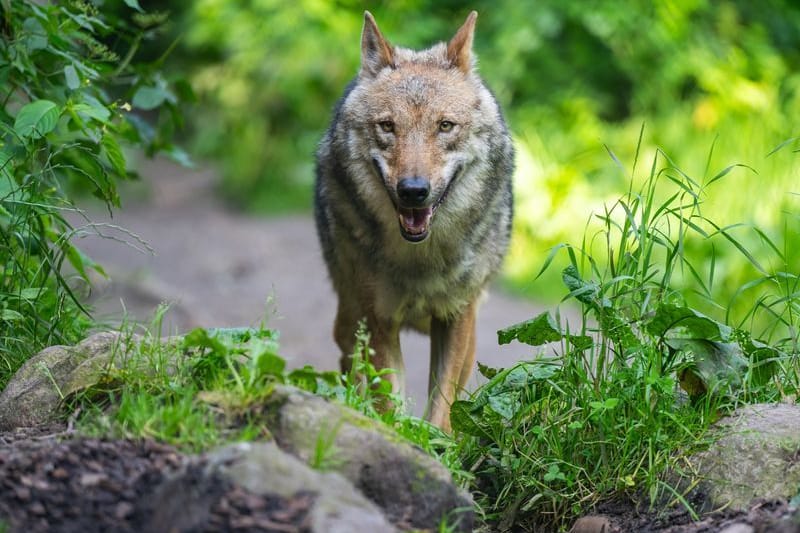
(23, 494)
(592, 524)
(59, 473)
(37, 508)
(740, 527)
(91, 479)
(123, 510)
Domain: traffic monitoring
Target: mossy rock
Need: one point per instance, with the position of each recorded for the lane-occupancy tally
(413, 489)
(756, 454)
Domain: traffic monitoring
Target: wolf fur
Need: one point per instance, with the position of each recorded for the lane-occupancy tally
(413, 205)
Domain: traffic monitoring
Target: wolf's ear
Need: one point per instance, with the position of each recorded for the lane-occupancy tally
(376, 52)
(459, 49)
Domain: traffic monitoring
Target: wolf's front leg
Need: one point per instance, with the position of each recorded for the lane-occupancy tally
(452, 357)
(384, 340)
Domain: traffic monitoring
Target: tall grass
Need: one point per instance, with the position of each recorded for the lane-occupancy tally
(602, 411)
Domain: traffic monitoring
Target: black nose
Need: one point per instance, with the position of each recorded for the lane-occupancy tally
(413, 191)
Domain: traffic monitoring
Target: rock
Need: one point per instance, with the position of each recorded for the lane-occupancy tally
(183, 502)
(738, 528)
(592, 524)
(756, 455)
(413, 489)
(33, 395)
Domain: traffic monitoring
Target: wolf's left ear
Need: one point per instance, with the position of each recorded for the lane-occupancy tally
(459, 49)
(376, 52)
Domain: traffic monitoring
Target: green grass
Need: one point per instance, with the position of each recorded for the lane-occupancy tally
(644, 373)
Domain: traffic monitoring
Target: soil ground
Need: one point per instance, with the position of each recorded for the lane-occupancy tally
(218, 268)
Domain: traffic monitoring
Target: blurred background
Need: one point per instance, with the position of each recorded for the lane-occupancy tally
(712, 84)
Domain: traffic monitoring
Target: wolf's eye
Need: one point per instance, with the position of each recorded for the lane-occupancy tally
(446, 126)
(387, 126)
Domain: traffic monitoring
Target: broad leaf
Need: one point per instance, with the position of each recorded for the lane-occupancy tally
(712, 366)
(36, 119)
(684, 322)
(147, 98)
(540, 330)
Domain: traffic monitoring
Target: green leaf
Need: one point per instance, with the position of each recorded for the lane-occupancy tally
(35, 35)
(9, 315)
(203, 338)
(80, 261)
(36, 119)
(148, 98)
(264, 359)
(584, 291)
(540, 330)
(537, 331)
(114, 154)
(71, 77)
(92, 108)
(7, 183)
(683, 322)
(719, 366)
(505, 404)
(487, 371)
(134, 4)
(465, 419)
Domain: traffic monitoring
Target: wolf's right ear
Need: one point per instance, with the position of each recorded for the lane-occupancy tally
(376, 52)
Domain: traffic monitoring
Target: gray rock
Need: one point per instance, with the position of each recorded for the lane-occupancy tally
(738, 528)
(756, 455)
(33, 395)
(413, 489)
(182, 502)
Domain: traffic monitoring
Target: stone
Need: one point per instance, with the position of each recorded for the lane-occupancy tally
(182, 502)
(33, 395)
(756, 454)
(413, 489)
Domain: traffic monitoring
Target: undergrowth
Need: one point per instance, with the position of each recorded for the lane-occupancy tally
(209, 386)
(70, 89)
(608, 404)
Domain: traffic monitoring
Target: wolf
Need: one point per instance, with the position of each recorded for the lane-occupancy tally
(413, 205)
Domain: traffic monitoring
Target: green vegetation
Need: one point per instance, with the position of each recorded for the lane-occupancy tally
(640, 378)
(69, 84)
(209, 387)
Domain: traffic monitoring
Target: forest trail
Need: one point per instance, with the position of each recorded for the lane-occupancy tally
(218, 268)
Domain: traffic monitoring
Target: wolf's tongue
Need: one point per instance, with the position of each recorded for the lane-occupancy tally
(415, 221)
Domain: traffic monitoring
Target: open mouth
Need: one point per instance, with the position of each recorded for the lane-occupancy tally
(415, 222)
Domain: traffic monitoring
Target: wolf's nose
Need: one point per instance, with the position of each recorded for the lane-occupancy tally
(413, 191)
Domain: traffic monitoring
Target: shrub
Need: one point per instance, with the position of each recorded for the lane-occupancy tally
(70, 85)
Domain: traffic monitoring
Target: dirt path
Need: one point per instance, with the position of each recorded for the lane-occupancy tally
(218, 268)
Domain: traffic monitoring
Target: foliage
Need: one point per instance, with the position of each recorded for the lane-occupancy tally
(209, 388)
(603, 415)
(69, 83)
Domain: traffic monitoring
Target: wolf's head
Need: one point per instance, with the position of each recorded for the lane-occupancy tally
(420, 120)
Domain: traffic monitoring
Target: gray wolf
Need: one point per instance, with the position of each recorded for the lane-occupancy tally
(413, 205)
